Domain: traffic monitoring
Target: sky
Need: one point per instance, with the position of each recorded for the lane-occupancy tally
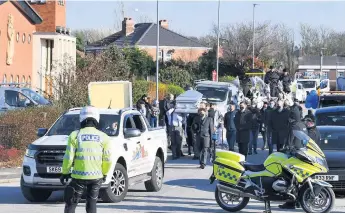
(196, 18)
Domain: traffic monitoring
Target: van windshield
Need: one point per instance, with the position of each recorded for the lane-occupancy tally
(70, 122)
(213, 94)
(35, 96)
(308, 84)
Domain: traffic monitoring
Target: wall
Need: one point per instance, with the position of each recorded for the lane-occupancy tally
(22, 57)
(55, 51)
(52, 13)
(186, 54)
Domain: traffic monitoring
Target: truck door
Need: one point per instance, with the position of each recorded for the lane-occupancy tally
(146, 146)
(131, 147)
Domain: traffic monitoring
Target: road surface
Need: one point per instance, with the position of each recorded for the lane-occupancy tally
(186, 189)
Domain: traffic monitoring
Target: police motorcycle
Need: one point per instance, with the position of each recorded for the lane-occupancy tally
(284, 176)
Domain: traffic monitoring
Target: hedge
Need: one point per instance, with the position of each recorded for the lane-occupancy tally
(226, 79)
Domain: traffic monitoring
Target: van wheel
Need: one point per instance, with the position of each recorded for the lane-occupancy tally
(34, 195)
(156, 182)
(118, 187)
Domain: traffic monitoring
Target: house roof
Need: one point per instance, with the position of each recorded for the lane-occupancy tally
(25, 8)
(145, 34)
(327, 60)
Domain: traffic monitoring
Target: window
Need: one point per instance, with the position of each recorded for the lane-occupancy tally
(160, 54)
(4, 80)
(17, 80)
(168, 56)
(324, 75)
(340, 73)
(330, 119)
(29, 80)
(139, 123)
(17, 37)
(128, 123)
(23, 37)
(23, 80)
(15, 98)
(11, 80)
(29, 38)
(61, 2)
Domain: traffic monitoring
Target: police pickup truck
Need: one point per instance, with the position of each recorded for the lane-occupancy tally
(139, 154)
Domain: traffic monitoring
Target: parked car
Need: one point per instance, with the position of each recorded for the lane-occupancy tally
(333, 145)
(12, 98)
(330, 116)
(139, 154)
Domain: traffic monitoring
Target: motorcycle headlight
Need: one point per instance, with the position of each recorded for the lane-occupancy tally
(30, 153)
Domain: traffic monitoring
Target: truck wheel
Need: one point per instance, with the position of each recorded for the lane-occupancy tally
(118, 186)
(34, 195)
(156, 182)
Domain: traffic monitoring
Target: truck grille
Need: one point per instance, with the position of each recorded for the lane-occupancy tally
(50, 157)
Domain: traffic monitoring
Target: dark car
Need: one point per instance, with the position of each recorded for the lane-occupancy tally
(330, 116)
(333, 145)
(331, 99)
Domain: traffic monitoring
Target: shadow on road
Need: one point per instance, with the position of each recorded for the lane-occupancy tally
(198, 184)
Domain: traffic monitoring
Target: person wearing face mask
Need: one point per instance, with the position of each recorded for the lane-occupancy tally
(295, 124)
(243, 123)
(203, 135)
(267, 119)
(279, 121)
(255, 129)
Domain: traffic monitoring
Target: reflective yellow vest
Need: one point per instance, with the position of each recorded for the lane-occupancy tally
(89, 153)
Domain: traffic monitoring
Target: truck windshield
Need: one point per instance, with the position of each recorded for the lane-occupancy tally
(213, 94)
(308, 84)
(70, 122)
(332, 102)
(330, 119)
(35, 96)
(332, 141)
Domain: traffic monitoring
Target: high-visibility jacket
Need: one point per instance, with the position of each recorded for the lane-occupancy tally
(89, 153)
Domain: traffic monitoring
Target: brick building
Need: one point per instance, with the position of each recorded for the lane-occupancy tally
(144, 36)
(33, 37)
(332, 68)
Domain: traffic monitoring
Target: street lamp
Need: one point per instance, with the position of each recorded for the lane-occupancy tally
(321, 60)
(253, 33)
(157, 52)
(218, 32)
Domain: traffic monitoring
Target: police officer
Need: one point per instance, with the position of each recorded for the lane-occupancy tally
(89, 153)
(272, 78)
(243, 124)
(286, 79)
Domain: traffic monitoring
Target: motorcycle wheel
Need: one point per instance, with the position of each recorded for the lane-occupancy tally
(322, 203)
(226, 201)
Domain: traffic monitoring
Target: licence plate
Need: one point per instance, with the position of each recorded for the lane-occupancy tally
(54, 169)
(327, 177)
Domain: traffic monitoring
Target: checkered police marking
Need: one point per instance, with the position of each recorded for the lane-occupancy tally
(300, 172)
(226, 175)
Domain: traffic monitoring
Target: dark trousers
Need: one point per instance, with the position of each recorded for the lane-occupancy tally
(231, 138)
(279, 138)
(75, 190)
(176, 141)
(205, 149)
(269, 141)
(190, 140)
(274, 90)
(253, 140)
(264, 138)
(243, 148)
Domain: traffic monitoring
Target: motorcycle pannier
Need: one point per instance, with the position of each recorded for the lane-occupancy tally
(227, 167)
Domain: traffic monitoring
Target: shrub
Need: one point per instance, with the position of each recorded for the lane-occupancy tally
(175, 90)
(7, 155)
(139, 88)
(226, 79)
(20, 126)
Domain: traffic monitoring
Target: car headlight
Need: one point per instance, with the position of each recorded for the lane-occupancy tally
(30, 153)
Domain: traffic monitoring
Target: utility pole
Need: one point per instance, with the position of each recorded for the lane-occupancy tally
(218, 35)
(254, 34)
(157, 59)
(321, 61)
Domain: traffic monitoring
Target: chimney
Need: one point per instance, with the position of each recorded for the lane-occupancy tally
(127, 26)
(164, 23)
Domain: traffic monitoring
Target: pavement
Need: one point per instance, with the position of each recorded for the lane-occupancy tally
(186, 189)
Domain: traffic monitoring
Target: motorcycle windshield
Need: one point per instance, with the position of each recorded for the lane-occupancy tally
(308, 143)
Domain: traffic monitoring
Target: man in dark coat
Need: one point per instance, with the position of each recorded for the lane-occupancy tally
(255, 129)
(279, 121)
(243, 123)
(295, 124)
(286, 79)
(268, 113)
(245, 83)
(272, 78)
(263, 126)
(190, 133)
(313, 132)
(229, 124)
(204, 129)
(148, 106)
